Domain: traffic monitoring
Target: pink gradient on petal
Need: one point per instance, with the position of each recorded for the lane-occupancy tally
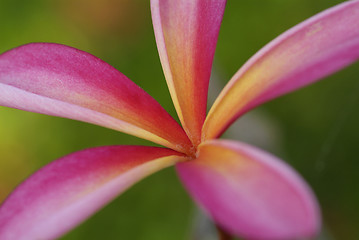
(186, 34)
(250, 193)
(67, 191)
(304, 54)
(63, 81)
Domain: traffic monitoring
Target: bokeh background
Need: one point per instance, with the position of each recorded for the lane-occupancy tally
(314, 129)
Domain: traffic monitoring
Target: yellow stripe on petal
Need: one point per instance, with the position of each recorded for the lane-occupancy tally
(311, 50)
(186, 35)
(250, 193)
(62, 81)
(69, 190)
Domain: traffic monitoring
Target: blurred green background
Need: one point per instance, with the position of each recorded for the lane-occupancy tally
(314, 129)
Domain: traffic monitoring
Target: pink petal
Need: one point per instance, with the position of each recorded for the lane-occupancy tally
(58, 80)
(67, 191)
(186, 35)
(306, 53)
(250, 193)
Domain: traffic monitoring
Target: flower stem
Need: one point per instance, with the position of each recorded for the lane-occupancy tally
(222, 234)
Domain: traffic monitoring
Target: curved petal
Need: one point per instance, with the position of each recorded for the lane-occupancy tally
(67, 191)
(186, 35)
(58, 80)
(311, 50)
(250, 193)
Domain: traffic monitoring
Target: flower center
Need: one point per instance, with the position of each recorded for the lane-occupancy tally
(192, 153)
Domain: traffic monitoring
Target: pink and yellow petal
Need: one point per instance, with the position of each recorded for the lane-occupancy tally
(58, 80)
(186, 35)
(250, 193)
(67, 191)
(304, 54)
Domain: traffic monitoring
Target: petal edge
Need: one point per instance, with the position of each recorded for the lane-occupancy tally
(63, 81)
(250, 193)
(313, 49)
(67, 191)
(186, 35)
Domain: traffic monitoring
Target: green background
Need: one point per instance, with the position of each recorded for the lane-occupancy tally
(315, 129)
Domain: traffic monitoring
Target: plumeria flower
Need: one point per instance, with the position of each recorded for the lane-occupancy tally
(246, 191)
